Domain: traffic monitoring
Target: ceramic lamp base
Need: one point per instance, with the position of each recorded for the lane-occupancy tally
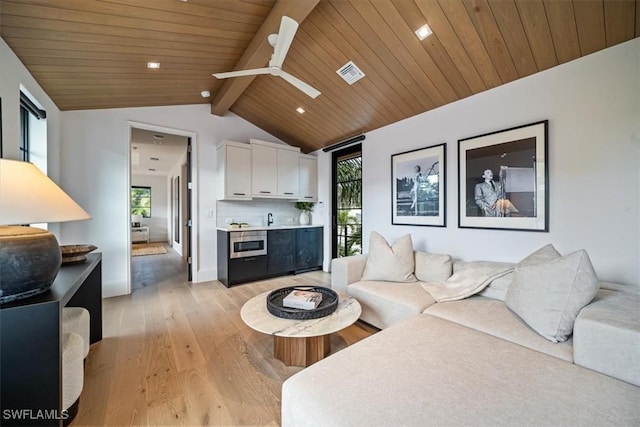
(30, 259)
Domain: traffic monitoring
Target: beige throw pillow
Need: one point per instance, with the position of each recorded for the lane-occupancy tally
(432, 267)
(498, 288)
(389, 263)
(544, 254)
(549, 296)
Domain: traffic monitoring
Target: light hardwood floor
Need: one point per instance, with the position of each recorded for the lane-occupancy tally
(177, 353)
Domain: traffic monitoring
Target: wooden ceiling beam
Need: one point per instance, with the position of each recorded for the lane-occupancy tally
(259, 51)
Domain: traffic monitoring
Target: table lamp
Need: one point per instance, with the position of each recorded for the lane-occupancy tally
(136, 220)
(30, 257)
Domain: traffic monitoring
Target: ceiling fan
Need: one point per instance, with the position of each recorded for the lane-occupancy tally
(281, 43)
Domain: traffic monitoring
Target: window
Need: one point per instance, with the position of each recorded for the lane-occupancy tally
(32, 132)
(347, 239)
(141, 201)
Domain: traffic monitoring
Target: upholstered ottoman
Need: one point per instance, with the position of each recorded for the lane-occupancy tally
(72, 373)
(77, 320)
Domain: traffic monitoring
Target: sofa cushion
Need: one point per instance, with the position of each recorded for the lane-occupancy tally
(428, 371)
(385, 303)
(548, 296)
(498, 288)
(432, 267)
(390, 263)
(494, 318)
(606, 334)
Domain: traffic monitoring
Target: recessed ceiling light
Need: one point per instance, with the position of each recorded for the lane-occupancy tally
(152, 170)
(423, 32)
(205, 94)
(154, 158)
(153, 65)
(158, 137)
(300, 110)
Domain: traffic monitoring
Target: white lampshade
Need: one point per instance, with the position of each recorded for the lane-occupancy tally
(27, 196)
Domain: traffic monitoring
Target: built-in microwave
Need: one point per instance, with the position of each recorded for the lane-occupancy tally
(247, 243)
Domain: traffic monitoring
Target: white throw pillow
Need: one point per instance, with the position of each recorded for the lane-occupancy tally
(498, 288)
(432, 267)
(549, 296)
(390, 263)
(544, 254)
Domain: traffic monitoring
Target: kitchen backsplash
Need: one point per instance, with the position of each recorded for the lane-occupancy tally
(254, 212)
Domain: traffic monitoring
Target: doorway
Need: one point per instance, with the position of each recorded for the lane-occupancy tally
(347, 201)
(160, 159)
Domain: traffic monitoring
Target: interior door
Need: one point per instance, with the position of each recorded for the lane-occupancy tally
(188, 213)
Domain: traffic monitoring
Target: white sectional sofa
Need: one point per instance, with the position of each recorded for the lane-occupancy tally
(471, 361)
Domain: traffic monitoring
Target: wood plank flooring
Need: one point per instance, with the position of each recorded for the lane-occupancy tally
(177, 353)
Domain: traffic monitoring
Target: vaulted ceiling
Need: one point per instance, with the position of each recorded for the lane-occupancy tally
(90, 54)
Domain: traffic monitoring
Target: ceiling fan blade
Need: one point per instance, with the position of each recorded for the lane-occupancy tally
(309, 90)
(288, 28)
(241, 73)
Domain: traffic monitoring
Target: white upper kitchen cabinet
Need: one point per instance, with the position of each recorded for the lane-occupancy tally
(233, 171)
(288, 173)
(274, 170)
(308, 178)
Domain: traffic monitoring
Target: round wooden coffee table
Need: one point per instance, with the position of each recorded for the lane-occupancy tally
(300, 342)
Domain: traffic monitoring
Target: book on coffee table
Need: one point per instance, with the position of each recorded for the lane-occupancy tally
(306, 300)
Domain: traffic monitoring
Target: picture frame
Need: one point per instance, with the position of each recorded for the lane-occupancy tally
(1, 154)
(418, 181)
(503, 179)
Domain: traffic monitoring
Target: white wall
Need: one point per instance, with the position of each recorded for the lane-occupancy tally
(95, 157)
(160, 209)
(594, 164)
(13, 74)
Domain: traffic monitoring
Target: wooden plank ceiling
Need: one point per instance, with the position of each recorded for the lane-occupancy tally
(90, 54)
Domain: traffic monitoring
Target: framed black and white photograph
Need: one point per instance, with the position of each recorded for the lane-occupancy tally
(419, 187)
(1, 128)
(503, 179)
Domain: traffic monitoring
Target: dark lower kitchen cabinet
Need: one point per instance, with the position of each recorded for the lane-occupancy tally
(236, 270)
(281, 251)
(288, 250)
(247, 269)
(308, 249)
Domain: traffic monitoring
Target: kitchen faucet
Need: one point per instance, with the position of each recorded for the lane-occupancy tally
(269, 219)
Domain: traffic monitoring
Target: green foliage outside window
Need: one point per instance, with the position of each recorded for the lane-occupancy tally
(141, 201)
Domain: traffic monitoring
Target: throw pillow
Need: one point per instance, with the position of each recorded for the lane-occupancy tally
(549, 296)
(389, 263)
(432, 267)
(544, 254)
(498, 288)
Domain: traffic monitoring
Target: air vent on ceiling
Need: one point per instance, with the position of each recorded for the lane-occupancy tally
(350, 72)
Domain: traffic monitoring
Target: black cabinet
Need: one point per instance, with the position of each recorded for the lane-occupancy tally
(31, 343)
(289, 250)
(308, 249)
(238, 270)
(281, 251)
(247, 269)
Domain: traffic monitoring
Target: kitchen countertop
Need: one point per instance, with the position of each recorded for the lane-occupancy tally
(270, 227)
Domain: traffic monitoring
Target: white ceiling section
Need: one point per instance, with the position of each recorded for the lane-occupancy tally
(155, 153)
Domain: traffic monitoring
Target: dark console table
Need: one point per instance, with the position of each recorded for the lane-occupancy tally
(31, 344)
